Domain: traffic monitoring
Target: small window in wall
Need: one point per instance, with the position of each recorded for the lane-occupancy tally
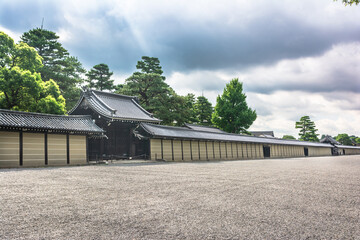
(266, 150)
(306, 152)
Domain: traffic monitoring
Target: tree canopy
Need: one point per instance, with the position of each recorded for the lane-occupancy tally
(156, 96)
(344, 139)
(203, 111)
(307, 129)
(99, 77)
(150, 65)
(288, 137)
(231, 112)
(350, 2)
(21, 86)
(58, 65)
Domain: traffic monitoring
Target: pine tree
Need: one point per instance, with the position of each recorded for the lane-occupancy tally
(307, 129)
(99, 77)
(203, 111)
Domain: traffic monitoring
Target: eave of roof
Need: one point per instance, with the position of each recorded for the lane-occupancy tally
(16, 120)
(203, 128)
(347, 146)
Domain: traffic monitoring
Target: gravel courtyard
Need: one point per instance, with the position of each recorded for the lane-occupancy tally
(302, 198)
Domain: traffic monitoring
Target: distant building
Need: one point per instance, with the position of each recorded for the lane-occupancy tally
(203, 128)
(268, 134)
(329, 139)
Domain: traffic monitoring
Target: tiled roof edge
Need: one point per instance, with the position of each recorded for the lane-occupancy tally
(44, 114)
(77, 104)
(114, 94)
(146, 112)
(225, 133)
(102, 102)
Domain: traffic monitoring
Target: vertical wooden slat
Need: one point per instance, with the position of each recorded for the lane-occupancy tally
(182, 150)
(162, 149)
(68, 149)
(21, 157)
(191, 151)
(46, 148)
(199, 149)
(172, 149)
(213, 149)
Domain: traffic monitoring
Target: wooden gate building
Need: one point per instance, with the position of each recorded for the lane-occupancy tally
(119, 116)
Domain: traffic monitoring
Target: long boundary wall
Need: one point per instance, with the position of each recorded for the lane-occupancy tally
(198, 150)
(29, 149)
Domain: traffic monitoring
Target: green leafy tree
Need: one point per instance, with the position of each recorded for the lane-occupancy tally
(288, 137)
(355, 140)
(21, 87)
(58, 65)
(203, 111)
(307, 129)
(231, 112)
(350, 2)
(99, 77)
(344, 139)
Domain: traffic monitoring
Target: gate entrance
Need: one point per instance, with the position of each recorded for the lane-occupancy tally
(306, 152)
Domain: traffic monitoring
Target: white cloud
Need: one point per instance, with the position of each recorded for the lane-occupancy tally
(337, 69)
(285, 108)
(12, 34)
(289, 89)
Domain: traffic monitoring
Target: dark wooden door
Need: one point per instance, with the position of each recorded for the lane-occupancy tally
(266, 150)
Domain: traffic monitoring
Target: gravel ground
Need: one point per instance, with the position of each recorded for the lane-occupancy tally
(302, 198)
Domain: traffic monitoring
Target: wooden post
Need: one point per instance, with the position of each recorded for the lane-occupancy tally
(46, 149)
(21, 147)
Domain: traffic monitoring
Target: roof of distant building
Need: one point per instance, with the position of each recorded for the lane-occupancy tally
(262, 133)
(47, 122)
(114, 106)
(329, 139)
(203, 128)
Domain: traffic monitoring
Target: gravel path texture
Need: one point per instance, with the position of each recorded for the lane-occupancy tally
(302, 198)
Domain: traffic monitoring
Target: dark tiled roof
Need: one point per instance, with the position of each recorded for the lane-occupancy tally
(160, 131)
(203, 128)
(116, 106)
(347, 147)
(262, 133)
(38, 121)
(329, 139)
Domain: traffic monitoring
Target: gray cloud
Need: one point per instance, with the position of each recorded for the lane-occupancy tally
(181, 43)
(294, 57)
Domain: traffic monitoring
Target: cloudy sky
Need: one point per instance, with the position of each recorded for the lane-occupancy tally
(295, 58)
